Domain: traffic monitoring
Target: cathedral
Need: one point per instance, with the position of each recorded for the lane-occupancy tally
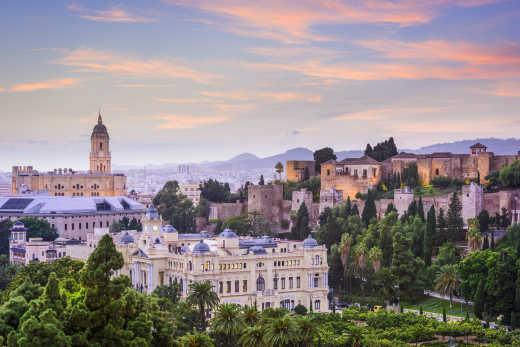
(98, 181)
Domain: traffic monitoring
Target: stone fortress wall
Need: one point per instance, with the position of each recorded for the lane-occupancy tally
(295, 169)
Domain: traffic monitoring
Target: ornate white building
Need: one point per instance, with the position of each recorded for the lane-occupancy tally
(263, 271)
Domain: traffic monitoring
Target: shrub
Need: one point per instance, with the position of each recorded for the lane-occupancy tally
(300, 309)
(441, 182)
(285, 224)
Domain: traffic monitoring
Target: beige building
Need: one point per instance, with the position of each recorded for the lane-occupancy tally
(98, 181)
(191, 191)
(296, 170)
(268, 272)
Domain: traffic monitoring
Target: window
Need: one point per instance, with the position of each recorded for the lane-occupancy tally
(437, 172)
(374, 172)
(237, 286)
(275, 283)
(283, 282)
(328, 172)
(244, 286)
(260, 283)
(317, 305)
(290, 283)
(221, 287)
(228, 287)
(72, 226)
(316, 279)
(364, 173)
(65, 226)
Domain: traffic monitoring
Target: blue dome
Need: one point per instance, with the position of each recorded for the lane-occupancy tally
(200, 248)
(157, 241)
(18, 226)
(185, 249)
(309, 242)
(257, 250)
(126, 239)
(152, 213)
(169, 229)
(228, 233)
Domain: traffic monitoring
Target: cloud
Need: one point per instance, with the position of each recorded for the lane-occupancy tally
(175, 122)
(293, 21)
(140, 85)
(49, 84)
(503, 89)
(413, 60)
(114, 14)
(177, 101)
(2, 90)
(388, 113)
(89, 60)
(456, 126)
(264, 96)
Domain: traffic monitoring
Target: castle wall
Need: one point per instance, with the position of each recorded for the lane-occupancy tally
(266, 199)
(295, 169)
(349, 183)
(224, 211)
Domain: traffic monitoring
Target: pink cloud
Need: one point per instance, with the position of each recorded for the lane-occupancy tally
(88, 60)
(292, 21)
(503, 89)
(388, 113)
(175, 122)
(114, 14)
(260, 95)
(49, 84)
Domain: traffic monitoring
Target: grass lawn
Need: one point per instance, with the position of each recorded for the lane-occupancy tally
(430, 304)
(433, 191)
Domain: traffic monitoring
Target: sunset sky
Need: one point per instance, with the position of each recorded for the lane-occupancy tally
(193, 80)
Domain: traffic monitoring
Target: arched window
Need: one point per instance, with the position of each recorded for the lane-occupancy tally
(101, 145)
(260, 284)
(437, 172)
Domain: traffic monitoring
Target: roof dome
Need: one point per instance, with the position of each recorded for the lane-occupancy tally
(152, 213)
(228, 233)
(100, 129)
(309, 242)
(185, 249)
(200, 248)
(126, 239)
(257, 250)
(18, 226)
(157, 241)
(169, 229)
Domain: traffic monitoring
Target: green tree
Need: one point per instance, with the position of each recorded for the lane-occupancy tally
(175, 207)
(406, 268)
(5, 234)
(196, 340)
(390, 208)
(39, 228)
(281, 332)
(115, 227)
(473, 235)
(478, 304)
(370, 210)
(483, 220)
(323, 155)
(454, 221)
(429, 236)
(420, 209)
(509, 176)
(441, 225)
(204, 297)
(215, 191)
(382, 150)
(253, 336)
(279, 169)
(300, 229)
(228, 324)
(448, 281)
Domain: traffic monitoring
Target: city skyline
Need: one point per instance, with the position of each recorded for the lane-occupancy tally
(183, 81)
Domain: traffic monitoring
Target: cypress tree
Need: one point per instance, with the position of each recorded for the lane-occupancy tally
(355, 211)
(486, 242)
(390, 208)
(455, 222)
(369, 211)
(429, 234)
(348, 208)
(261, 182)
(478, 304)
(301, 229)
(493, 240)
(412, 209)
(420, 209)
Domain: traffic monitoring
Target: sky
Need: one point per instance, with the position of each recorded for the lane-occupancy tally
(192, 80)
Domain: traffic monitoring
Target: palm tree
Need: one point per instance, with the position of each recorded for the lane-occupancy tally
(355, 335)
(196, 340)
(344, 249)
(308, 330)
(252, 337)
(203, 296)
(279, 168)
(447, 281)
(250, 314)
(281, 332)
(228, 322)
(473, 235)
(375, 255)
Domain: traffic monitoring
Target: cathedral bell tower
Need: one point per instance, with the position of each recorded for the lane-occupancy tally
(100, 158)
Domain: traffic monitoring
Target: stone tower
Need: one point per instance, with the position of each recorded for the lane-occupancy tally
(100, 158)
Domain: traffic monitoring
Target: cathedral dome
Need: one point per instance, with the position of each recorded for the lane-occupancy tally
(309, 242)
(200, 248)
(126, 239)
(100, 130)
(227, 233)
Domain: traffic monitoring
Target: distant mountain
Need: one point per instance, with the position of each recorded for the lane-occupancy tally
(497, 146)
(248, 161)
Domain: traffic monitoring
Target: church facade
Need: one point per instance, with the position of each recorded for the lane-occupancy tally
(98, 181)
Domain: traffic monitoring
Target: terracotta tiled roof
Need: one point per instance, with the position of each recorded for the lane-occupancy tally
(478, 145)
(360, 161)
